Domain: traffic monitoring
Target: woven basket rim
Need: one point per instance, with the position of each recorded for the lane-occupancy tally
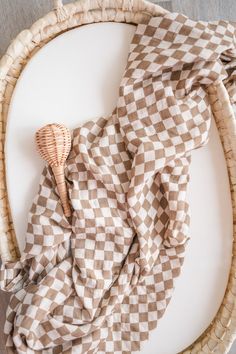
(221, 333)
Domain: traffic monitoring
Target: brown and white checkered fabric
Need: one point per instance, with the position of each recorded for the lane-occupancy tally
(100, 281)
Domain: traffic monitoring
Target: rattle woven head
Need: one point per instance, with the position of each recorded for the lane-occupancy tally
(53, 143)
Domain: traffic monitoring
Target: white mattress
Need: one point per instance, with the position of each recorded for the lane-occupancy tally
(75, 78)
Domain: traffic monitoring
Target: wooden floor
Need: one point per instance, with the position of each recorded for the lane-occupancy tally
(16, 15)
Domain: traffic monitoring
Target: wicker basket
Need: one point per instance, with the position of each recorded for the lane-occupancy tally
(221, 333)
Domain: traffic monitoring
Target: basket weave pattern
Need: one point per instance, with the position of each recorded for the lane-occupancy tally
(221, 333)
(54, 143)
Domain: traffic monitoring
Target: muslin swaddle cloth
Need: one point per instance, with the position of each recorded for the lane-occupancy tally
(100, 281)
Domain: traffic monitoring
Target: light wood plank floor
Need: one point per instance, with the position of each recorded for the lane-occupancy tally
(16, 15)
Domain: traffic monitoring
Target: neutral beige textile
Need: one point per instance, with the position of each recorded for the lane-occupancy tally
(100, 281)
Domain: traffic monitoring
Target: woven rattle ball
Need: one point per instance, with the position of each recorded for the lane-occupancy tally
(53, 143)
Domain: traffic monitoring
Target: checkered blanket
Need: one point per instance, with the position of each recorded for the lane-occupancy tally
(100, 281)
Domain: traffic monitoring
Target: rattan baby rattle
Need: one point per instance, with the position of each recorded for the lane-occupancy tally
(53, 144)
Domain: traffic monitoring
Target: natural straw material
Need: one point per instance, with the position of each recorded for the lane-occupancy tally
(54, 143)
(222, 331)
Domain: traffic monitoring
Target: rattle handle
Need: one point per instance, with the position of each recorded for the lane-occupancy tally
(59, 175)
